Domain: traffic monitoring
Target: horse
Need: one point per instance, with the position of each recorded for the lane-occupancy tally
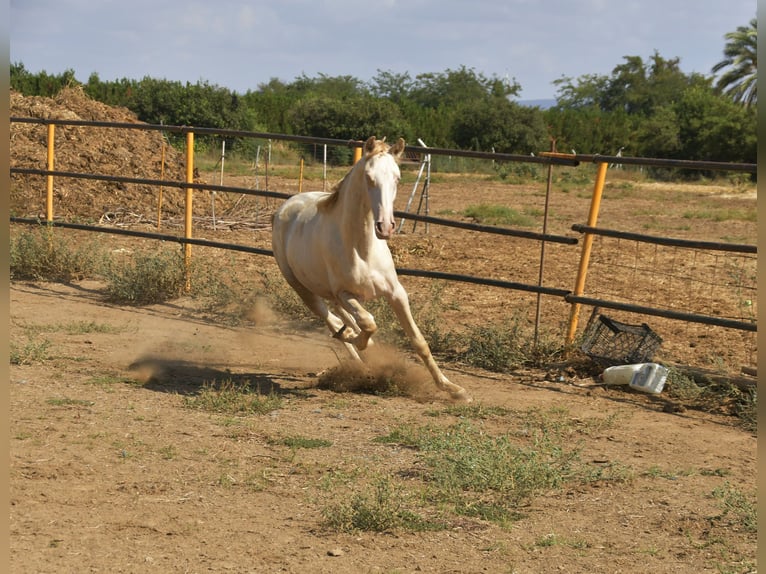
(332, 249)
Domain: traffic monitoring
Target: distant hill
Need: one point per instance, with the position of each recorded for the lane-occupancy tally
(542, 104)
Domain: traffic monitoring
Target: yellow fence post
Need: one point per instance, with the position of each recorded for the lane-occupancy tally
(357, 154)
(300, 178)
(587, 244)
(188, 206)
(49, 178)
(162, 177)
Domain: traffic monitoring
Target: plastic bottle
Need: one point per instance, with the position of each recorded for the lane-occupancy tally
(646, 377)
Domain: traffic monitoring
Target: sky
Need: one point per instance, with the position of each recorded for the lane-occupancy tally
(240, 44)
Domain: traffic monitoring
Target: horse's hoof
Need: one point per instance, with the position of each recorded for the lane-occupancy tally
(462, 396)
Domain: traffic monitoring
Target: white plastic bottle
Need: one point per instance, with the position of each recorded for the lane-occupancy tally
(646, 377)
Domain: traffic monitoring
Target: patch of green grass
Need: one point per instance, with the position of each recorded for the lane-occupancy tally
(67, 402)
(498, 215)
(723, 214)
(33, 351)
(109, 380)
(473, 473)
(168, 452)
(737, 507)
(477, 410)
(229, 397)
(462, 458)
(304, 442)
(501, 347)
(75, 328)
(379, 509)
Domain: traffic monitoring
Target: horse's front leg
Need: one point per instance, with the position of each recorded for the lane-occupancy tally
(399, 302)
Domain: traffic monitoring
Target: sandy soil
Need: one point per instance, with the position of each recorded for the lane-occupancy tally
(111, 471)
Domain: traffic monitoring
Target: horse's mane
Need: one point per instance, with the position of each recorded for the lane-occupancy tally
(380, 146)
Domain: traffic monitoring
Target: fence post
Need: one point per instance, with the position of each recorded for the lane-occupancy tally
(587, 243)
(162, 177)
(542, 244)
(188, 206)
(49, 178)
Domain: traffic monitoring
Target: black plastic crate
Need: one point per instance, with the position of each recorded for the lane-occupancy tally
(610, 342)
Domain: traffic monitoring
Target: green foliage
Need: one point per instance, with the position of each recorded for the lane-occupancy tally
(379, 510)
(352, 118)
(295, 442)
(499, 125)
(233, 398)
(737, 507)
(143, 279)
(487, 476)
(739, 81)
(33, 351)
(44, 254)
(651, 108)
(498, 215)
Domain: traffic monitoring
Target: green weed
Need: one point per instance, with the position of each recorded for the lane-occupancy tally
(34, 351)
(498, 215)
(304, 442)
(229, 397)
(143, 279)
(44, 254)
(67, 402)
(737, 507)
(381, 509)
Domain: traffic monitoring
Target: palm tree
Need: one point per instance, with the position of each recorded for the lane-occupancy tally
(741, 57)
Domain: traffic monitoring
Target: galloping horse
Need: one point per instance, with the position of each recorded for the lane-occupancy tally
(332, 249)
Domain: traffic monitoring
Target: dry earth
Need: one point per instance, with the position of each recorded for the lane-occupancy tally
(112, 471)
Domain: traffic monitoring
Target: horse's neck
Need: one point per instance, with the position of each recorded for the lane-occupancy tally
(356, 222)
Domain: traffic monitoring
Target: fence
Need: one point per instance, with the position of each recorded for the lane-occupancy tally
(588, 232)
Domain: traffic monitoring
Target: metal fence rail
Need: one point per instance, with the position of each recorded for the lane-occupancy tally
(575, 298)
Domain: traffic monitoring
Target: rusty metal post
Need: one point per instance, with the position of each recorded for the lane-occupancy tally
(587, 244)
(542, 244)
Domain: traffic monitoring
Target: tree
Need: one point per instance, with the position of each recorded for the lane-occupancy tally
(739, 81)
(453, 87)
(501, 125)
(354, 118)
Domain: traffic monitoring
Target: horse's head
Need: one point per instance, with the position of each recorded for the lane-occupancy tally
(381, 171)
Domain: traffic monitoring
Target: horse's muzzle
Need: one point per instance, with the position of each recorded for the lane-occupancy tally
(384, 230)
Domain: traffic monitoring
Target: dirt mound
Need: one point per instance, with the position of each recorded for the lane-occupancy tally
(103, 151)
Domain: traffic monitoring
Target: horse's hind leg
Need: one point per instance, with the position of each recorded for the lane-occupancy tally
(318, 306)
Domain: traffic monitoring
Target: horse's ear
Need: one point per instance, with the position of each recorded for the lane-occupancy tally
(369, 145)
(398, 148)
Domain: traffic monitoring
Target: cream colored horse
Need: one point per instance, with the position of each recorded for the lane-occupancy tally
(332, 248)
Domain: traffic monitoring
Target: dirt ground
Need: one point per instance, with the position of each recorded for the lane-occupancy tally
(112, 471)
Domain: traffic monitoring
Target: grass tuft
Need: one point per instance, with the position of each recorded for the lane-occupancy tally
(228, 397)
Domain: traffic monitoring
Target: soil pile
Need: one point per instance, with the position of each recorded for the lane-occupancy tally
(131, 153)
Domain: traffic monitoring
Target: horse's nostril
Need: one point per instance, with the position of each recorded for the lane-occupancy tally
(383, 229)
